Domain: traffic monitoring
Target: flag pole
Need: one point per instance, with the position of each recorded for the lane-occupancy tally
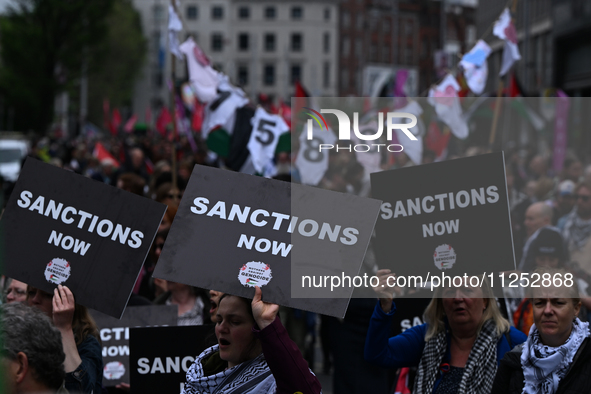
(173, 108)
(498, 102)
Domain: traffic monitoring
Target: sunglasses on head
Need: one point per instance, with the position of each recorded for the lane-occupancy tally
(582, 197)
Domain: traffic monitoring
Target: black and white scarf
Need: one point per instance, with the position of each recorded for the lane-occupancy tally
(576, 231)
(544, 366)
(480, 369)
(253, 376)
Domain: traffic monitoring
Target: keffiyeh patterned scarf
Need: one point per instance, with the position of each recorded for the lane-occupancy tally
(576, 231)
(544, 366)
(480, 369)
(253, 376)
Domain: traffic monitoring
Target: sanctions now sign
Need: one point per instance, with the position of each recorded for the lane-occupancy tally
(450, 217)
(62, 228)
(233, 232)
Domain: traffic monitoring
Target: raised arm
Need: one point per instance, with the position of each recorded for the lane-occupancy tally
(289, 368)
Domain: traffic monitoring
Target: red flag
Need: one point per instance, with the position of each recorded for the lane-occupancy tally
(197, 118)
(300, 94)
(130, 123)
(285, 112)
(115, 122)
(436, 140)
(164, 119)
(101, 153)
(513, 90)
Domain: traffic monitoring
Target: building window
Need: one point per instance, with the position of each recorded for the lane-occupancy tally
(346, 46)
(297, 13)
(242, 76)
(269, 75)
(359, 22)
(158, 12)
(296, 73)
(346, 19)
(326, 43)
(191, 12)
(344, 79)
(297, 43)
(270, 12)
(269, 42)
(358, 48)
(326, 74)
(243, 41)
(243, 13)
(327, 14)
(217, 42)
(217, 12)
(386, 25)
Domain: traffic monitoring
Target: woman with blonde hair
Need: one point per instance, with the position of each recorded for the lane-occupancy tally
(459, 347)
(80, 337)
(556, 358)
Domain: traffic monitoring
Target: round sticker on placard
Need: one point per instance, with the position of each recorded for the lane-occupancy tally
(444, 257)
(113, 370)
(255, 273)
(57, 271)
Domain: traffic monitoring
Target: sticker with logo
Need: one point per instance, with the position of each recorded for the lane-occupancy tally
(57, 271)
(113, 370)
(444, 257)
(255, 273)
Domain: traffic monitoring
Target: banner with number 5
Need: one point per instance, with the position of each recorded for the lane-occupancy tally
(266, 130)
(311, 161)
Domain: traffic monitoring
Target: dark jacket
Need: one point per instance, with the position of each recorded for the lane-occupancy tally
(510, 380)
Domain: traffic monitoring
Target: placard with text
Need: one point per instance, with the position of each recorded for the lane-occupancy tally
(63, 228)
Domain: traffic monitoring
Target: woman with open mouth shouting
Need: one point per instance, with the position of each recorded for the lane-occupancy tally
(254, 353)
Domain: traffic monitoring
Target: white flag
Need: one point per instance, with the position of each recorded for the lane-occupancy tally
(505, 30)
(475, 66)
(444, 98)
(204, 79)
(312, 163)
(266, 130)
(174, 27)
(413, 149)
(222, 110)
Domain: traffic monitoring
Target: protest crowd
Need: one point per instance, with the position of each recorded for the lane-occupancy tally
(466, 340)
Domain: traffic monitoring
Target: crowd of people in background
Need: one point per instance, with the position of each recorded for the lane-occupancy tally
(551, 220)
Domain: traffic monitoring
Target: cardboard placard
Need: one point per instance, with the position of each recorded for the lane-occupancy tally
(63, 228)
(160, 356)
(409, 313)
(234, 231)
(450, 217)
(115, 336)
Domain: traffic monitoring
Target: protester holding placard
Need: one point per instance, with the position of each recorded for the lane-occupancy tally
(556, 358)
(458, 348)
(80, 337)
(254, 353)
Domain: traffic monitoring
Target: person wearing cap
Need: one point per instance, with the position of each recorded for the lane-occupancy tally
(563, 203)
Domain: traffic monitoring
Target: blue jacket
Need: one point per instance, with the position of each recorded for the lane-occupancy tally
(406, 349)
(88, 377)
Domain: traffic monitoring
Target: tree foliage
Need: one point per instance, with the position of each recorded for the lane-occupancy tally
(44, 44)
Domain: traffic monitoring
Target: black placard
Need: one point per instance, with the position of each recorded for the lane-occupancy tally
(161, 356)
(419, 231)
(234, 231)
(114, 335)
(62, 228)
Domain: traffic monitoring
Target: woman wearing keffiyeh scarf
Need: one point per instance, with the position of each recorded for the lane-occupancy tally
(555, 358)
(254, 354)
(456, 351)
